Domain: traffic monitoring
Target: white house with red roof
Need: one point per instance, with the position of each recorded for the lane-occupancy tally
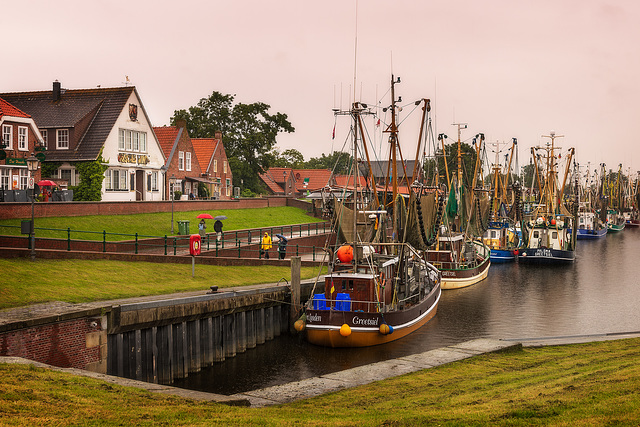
(19, 139)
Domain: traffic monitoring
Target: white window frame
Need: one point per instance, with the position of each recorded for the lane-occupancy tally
(24, 179)
(188, 160)
(143, 142)
(7, 137)
(180, 160)
(45, 138)
(136, 141)
(224, 167)
(215, 165)
(60, 140)
(23, 138)
(121, 138)
(154, 181)
(116, 179)
(5, 178)
(129, 137)
(228, 189)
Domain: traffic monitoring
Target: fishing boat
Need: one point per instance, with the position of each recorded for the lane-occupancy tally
(379, 288)
(458, 251)
(631, 212)
(501, 235)
(615, 220)
(591, 221)
(550, 234)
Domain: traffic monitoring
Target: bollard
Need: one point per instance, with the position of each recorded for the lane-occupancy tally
(296, 262)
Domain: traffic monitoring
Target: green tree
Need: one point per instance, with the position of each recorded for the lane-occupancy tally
(290, 158)
(249, 133)
(338, 162)
(91, 177)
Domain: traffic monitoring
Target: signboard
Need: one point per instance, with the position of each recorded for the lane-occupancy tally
(14, 161)
(195, 246)
(139, 159)
(31, 183)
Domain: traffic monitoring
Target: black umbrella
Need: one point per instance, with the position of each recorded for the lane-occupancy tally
(280, 236)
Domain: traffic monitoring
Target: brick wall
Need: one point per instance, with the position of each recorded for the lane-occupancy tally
(79, 343)
(49, 209)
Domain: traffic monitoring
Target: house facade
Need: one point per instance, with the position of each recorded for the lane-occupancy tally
(20, 138)
(182, 162)
(216, 172)
(80, 125)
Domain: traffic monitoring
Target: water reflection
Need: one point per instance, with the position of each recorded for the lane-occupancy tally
(597, 294)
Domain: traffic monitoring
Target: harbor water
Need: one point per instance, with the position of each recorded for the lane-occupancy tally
(598, 294)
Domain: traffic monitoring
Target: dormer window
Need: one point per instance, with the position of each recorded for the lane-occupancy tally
(62, 139)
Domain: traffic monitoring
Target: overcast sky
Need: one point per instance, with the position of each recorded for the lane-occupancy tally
(507, 68)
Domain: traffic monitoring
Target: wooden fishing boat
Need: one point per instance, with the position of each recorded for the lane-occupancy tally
(379, 288)
(551, 234)
(615, 221)
(462, 262)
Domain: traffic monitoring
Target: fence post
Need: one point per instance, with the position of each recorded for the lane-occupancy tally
(165, 244)
(300, 230)
(136, 243)
(249, 236)
(174, 245)
(313, 251)
(297, 250)
(104, 240)
(68, 238)
(208, 241)
(239, 248)
(217, 247)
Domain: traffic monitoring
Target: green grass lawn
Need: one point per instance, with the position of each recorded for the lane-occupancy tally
(156, 224)
(75, 281)
(575, 385)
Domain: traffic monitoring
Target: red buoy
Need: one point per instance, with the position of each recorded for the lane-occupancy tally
(345, 253)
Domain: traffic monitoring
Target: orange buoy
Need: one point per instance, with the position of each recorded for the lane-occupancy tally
(299, 325)
(384, 329)
(345, 330)
(345, 253)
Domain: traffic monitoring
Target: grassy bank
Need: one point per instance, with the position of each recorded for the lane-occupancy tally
(587, 384)
(157, 224)
(25, 282)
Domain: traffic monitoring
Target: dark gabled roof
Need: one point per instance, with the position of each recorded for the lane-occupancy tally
(101, 106)
(379, 168)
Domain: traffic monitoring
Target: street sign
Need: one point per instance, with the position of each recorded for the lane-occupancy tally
(31, 182)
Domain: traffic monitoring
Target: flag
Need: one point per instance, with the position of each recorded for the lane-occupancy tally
(334, 132)
(333, 288)
(378, 122)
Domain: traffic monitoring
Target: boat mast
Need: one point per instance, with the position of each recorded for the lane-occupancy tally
(393, 140)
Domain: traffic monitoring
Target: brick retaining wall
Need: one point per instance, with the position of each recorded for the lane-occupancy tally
(9, 210)
(78, 343)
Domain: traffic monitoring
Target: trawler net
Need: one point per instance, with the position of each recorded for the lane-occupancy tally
(421, 220)
(366, 228)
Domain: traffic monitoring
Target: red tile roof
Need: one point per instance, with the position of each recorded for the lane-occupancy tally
(166, 137)
(316, 178)
(269, 180)
(205, 148)
(347, 181)
(7, 109)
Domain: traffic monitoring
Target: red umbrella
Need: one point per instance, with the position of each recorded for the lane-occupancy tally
(205, 216)
(46, 183)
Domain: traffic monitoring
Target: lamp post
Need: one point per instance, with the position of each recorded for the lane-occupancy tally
(172, 183)
(32, 167)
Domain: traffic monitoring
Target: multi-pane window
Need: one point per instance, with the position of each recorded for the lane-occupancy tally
(7, 136)
(228, 186)
(23, 141)
(62, 139)
(215, 165)
(24, 179)
(131, 140)
(4, 178)
(180, 160)
(224, 167)
(188, 160)
(45, 138)
(116, 179)
(152, 181)
(121, 137)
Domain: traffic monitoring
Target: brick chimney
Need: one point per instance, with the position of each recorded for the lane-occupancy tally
(218, 134)
(181, 123)
(56, 91)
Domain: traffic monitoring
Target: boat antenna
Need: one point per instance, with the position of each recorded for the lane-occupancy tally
(355, 55)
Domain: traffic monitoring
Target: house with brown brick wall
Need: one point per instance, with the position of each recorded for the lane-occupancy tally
(296, 182)
(215, 166)
(182, 161)
(20, 138)
(81, 124)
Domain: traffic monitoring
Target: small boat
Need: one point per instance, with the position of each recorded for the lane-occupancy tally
(502, 239)
(462, 261)
(589, 225)
(550, 234)
(615, 221)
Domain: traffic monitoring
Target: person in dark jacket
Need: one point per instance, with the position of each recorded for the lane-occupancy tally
(217, 227)
(282, 246)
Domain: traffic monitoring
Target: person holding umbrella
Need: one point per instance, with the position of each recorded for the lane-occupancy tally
(202, 226)
(282, 245)
(265, 245)
(217, 226)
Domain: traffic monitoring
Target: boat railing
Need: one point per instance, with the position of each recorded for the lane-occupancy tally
(320, 302)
